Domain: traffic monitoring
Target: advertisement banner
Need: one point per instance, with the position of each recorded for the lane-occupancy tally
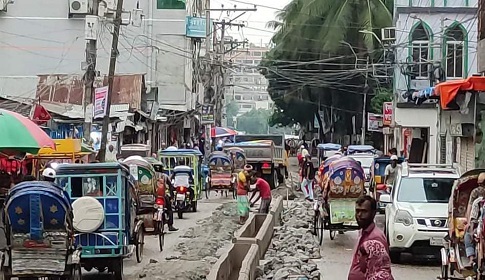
(342, 211)
(374, 122)
(207, 114)
(195, 27)
(387, 113)
(100, 102)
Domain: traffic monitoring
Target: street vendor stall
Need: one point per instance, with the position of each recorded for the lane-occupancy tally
(67, 151)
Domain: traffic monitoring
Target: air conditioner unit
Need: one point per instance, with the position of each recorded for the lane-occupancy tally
(388, 34)
(79, 7)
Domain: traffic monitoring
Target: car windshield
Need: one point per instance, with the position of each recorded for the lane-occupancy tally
(422, 190)
(366, 162)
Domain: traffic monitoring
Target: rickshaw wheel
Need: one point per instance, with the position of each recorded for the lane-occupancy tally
(140, 240)
(161, 235)
(321, 228)
(332, 234)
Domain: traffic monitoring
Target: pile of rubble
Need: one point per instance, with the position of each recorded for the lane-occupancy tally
(293, 247)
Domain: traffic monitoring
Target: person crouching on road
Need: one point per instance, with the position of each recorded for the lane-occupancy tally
(264, 191)
(242, 193)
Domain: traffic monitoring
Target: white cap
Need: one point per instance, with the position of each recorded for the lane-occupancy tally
(394, 157)
(49, 173)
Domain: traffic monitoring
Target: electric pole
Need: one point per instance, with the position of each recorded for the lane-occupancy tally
(220, 88)
(111, 74)
(364, 105)
(89, 76)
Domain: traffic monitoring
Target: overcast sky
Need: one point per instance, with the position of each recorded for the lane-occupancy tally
(255, 22)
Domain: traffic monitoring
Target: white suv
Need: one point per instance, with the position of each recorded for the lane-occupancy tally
(417, 209)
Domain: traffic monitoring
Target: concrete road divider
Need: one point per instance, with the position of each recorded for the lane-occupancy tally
(238, 263)
(276, 209)
(258, 229)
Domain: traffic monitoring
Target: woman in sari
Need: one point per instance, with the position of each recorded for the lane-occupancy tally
(242, 193)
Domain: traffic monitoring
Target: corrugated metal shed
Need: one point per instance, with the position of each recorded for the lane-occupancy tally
(69, 89)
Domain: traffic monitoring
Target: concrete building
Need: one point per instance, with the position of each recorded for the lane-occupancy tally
(435, 40)
(47, 37)
(247, 86)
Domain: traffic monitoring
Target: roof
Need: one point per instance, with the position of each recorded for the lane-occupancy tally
(329, 146)
(69, 89)
(429, 170)
(88, 167)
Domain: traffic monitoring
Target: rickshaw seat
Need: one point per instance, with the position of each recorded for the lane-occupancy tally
(381, 187)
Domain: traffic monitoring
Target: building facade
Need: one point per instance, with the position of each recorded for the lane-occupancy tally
(247, 87)
(435, 42)
(47, 37)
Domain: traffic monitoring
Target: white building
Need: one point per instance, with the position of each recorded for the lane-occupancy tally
(430, 33)
(248, 88)
(46, 37)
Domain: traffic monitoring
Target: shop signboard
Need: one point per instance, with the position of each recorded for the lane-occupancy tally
(207, 114)
(387, 112)
(374, 122)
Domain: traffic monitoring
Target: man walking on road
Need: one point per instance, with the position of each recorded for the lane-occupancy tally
(308, 175)
(371, 259)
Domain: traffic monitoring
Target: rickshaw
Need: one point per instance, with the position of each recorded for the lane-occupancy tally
(360, 149)
(377, 184)
(336, 213)
(238, 162)
(327, 150)
(324, 168)
(104, 203)
(453, 256)
(220, 176)
(39, 230)
(171, 158)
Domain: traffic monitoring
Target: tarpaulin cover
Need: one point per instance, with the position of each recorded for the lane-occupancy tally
(447, 91)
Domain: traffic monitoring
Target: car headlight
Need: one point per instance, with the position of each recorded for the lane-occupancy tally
(403, 217)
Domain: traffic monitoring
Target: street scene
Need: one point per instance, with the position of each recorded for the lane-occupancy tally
(242, 139)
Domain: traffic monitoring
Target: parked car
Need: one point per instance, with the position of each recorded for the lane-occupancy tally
(417, 209)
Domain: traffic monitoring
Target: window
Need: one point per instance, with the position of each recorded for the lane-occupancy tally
(171, 4)
(454, 39)
(246, 106)
(248, 62)
(257, 54)
(420, 51)
(237, 97)
(247, 97)
(425, 190)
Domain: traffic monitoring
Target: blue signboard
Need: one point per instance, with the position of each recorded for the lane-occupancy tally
(195, 27)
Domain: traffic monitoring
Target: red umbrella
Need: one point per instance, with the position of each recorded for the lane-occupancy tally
(222, 132)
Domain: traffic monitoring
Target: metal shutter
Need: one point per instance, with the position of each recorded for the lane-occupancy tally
(467, 154)
(442, 148)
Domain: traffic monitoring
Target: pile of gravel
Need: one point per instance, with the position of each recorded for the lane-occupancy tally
(293, 247)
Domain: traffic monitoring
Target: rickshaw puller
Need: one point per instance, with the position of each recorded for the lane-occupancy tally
(161, 191)
(475, 211)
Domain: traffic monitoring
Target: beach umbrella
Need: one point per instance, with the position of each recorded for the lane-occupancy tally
(19, 134)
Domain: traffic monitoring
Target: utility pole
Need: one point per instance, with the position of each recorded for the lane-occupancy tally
(220, 88)
(111, 74)
(364, 105)
(89, 76)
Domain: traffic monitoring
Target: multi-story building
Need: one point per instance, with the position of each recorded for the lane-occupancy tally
(246, 86)
(435, 41)
(47, 38)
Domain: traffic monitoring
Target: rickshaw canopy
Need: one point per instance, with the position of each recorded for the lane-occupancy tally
(360, 149)
(329, 147)
(344, 163)
(180, 152)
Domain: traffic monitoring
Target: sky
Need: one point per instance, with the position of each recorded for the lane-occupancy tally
(255, 22)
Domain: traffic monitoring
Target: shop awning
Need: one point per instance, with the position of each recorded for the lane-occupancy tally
(447, 91)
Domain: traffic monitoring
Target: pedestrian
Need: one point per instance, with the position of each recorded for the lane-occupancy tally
(308, 175)
(371, 259)
(242, 193)
(264, 191)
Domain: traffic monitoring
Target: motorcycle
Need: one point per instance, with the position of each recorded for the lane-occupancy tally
(182, 200)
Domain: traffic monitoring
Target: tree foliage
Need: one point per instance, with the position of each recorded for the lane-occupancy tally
(231, 111)
(254, 122)
(312, 65)
(377, 101)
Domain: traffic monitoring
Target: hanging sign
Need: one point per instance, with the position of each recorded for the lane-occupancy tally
(387, 112)
(207, 114)
(100, 102)
(374, 122)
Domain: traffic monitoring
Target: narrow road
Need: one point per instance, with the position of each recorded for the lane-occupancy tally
(337, 254)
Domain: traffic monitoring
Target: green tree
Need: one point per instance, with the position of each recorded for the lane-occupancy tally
(232, 110)
(312, 64)
(254, 122)
(377, 101)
